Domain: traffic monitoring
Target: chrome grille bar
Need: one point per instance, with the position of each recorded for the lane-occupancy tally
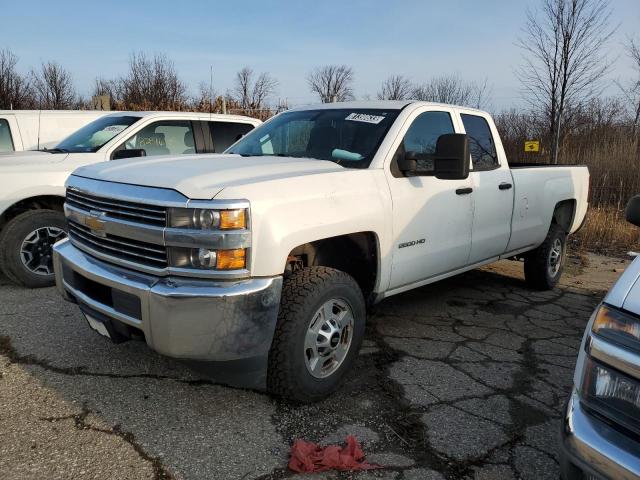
(147, 214)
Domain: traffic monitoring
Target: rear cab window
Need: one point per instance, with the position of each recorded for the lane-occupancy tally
(225, 134)
(481, 142)
(6, 141)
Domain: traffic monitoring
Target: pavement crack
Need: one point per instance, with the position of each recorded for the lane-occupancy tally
(160, 472)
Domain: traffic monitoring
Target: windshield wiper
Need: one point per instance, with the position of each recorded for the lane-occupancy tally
(54, 150)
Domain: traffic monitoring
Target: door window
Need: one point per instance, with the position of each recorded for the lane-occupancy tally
(6, 142)
(225, 134)
(421, 138)
(481, 144)
(173, 137)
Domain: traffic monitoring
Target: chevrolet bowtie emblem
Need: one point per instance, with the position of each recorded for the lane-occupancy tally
(95, 222)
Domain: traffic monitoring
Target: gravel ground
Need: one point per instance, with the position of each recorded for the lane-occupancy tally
(461, 379)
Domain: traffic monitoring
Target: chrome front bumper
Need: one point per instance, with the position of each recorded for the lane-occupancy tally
(594, 447)
(192, 319)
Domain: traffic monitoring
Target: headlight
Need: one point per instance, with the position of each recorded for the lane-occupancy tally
(612, 394)
(618, 327)
(208, 219)
(208, 259)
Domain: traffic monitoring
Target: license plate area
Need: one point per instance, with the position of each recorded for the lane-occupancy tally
(98, 326)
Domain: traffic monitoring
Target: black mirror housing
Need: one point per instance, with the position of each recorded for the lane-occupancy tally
(452, 157)
(132, 153)
(632, 212)
(408, 164)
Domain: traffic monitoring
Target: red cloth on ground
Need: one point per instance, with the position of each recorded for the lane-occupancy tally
(310, 457)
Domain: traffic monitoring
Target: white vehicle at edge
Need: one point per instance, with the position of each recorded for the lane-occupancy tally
(263, 261)
(32, 183)
(601, 423)
(40, 129)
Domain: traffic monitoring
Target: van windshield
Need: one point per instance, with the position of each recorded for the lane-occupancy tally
(95, 134)
(349, 137)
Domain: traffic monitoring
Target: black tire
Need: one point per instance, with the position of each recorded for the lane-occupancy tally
(11, 240)
(539, 272)
(303, 294)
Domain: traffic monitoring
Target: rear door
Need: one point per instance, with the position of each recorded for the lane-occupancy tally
(492, 188)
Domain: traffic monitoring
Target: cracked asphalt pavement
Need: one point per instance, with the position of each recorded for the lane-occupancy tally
(465, 378)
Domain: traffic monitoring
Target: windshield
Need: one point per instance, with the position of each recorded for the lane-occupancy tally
(95, 134)
(349, 137)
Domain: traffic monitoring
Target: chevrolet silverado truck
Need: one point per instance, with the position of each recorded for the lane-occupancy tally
(32, 183)
(600, 436)
(262, 262)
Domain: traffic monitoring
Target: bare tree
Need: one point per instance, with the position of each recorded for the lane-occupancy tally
(396, 87)
(53, 86)
(332, 83)
(452, 89)
(252, 94)
(631, 90)
(564, 61)
(15, 89)
(152, 83)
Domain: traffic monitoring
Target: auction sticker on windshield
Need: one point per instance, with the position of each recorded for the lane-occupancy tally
(365, 117)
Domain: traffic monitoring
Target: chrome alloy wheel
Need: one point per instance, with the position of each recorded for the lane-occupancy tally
(555, 258)
(328, 338)
(36, 250)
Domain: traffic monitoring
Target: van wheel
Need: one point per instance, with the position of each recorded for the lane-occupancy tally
(543, 266)
(318, 334)
(26, 256)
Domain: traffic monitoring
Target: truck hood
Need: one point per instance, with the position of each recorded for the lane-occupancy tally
(28, 159)
(204, 176)
(625, 293)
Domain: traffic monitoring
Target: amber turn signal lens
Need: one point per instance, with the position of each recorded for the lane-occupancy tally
(233, 219)
(231, 259)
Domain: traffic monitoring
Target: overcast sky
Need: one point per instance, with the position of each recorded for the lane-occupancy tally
(416, 38)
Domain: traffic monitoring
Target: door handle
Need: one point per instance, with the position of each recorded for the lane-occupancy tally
(464, 191)
(505, 186)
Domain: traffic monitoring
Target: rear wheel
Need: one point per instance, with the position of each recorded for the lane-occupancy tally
(318, 334)
(543, 266)
(26, 254)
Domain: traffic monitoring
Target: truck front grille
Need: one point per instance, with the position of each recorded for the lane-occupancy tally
(131, 211)
(143, 253)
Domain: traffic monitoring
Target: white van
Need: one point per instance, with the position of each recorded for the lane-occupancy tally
(40, 129)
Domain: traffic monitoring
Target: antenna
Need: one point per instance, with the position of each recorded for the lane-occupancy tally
(210, 90)
(39, 114)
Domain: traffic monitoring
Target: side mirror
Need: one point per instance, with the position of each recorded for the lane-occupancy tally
(408, 164)
(632, 213)
(452, 157)
(134, 152)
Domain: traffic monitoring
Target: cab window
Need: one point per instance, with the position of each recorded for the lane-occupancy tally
(6, 142)
(481, 144)
(225, 134)
(174, 137)
(421, 139)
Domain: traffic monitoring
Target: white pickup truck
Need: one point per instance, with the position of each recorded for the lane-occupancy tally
(262, 261)
(40, 129)
(32, 183)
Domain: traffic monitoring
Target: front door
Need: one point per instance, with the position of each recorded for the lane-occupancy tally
(432, 218)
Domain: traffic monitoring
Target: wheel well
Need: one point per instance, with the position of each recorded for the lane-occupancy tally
(355, 254)
(49, 202)
(563, 214)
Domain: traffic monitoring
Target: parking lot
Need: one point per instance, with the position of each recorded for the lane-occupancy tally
(461, 379)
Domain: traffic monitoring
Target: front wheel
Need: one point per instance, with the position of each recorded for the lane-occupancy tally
(26, 254)
(318, 334)
(543, 266)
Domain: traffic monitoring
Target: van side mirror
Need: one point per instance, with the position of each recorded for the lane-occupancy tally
(408, 164)
(132, 153)
(452, 157)
(632, 212)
